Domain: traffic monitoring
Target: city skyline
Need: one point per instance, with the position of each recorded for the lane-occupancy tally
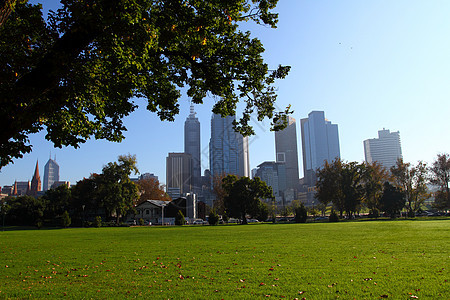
(367, 65)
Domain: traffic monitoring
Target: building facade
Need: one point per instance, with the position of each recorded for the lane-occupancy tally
(386, 149)
(287, 152)
(51, 174)
(320, 143)
(178, 173)
(192, 147)
(228, 150)
(274, 175)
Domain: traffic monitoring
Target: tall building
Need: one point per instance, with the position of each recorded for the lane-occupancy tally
(287, 152)
(51, 174)
(386, 149)
(192, 147)
(179, 174)
(274, 175)
(228, 150)
(320, 143)
(35, 182)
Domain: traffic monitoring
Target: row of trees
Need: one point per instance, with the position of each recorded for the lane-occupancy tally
(349, 186)
(110, 194)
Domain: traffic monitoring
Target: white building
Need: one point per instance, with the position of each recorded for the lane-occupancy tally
(386, 149)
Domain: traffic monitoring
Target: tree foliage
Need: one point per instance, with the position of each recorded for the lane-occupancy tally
(243, 196)
(25, 210)
(341, 183)
(375, 177)
(440, 176)
(151, 189)
(301, 214)
(392, 200)
(77, 74)
(411, 180)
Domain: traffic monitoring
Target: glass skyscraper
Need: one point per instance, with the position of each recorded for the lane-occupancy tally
(320, 143)
(51, 174)
(228, 150)
(287, 153)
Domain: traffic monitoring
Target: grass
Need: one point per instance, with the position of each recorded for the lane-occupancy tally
(352, 260)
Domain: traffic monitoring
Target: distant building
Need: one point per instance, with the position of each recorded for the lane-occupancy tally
(228, 150)
(35, 182)
(274, 175)
(386, 149)
(7, 190)
(287, 153)
(60, 183)
(320, 143)
(192, 147)
(51, 174)
(21, 188)
(179, 173)
(148, 176)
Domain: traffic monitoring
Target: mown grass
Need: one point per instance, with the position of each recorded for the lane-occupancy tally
(354, 260)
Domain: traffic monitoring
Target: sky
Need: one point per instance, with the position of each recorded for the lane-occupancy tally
(368, 65)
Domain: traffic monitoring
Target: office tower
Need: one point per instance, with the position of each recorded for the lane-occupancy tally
(274, 175)
(286, 152)
(192, 147)
(179, 174)
(320, 143)
(386, 149)
(228, 150)
(51, 174)
(35, 182)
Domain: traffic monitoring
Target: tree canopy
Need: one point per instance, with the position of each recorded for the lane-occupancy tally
(440, 176)
(243, 196)
(78, 73)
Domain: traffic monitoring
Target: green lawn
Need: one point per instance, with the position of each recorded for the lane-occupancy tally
(361, 260)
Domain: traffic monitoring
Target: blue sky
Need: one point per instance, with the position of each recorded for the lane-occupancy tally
(368, 64)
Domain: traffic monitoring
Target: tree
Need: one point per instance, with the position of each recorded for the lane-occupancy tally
(412, 182)
(328, 185)
(66, 221)
(25, 210)
(301, 214)
(150, 189)
(179, 218)
(115, 189)
(57, 201)
(243, 196)
(392, 200)
(341, 183)
(440, 176)
(76, 74)
(213, 218)
(220, 194)
(374, 178)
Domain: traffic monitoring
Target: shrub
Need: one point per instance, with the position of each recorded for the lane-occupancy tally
(301, 214)
(141, 222)
(98, 221)
(213, 218)
(179, 219)
(333, 217)
(66, 221)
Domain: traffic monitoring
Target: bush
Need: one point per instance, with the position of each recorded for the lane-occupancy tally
(179, 219)
(333, 217)
(66, 221)
(301, 214)
(141, 222)
(213, 218)
(98, 221)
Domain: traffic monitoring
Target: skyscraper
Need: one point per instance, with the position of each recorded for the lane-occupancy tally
(192, 147)
(35, 181)
(287, 152)
(228, 150)
(51, 174)
(179, 174)
(386, 149)
(320, 143)
(274, 175)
